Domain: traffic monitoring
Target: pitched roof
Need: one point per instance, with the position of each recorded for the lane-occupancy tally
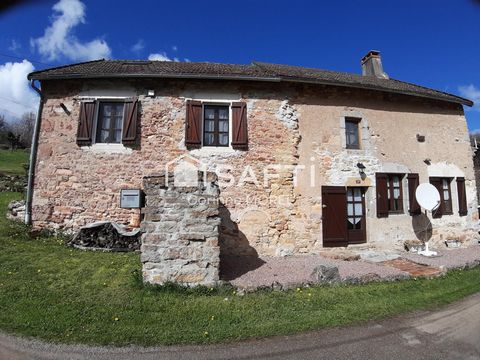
(257, 71)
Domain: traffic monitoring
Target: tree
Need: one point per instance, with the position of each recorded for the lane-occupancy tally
(13, 140)
(23, 129)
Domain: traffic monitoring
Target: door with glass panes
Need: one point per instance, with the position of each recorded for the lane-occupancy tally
(356, 229)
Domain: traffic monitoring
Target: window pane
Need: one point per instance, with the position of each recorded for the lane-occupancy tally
(209, 125)
(358, 209)
(446, 195)
(107, 110)
(209, 113)
(223, 139)
(349, 194)
(106, 123)
(357, 192)
(350, 209)
(396, 181)
(351, 220)
(118, 136)
(223, 113)
(223, 126)
(209, 139)
(396, 193)
(118, 122)
(104, 135)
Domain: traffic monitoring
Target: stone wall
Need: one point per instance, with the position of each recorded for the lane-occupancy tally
(287, 124)
(181, 228)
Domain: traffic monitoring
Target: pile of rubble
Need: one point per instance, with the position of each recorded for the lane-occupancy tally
(16, 210)
(106, 235)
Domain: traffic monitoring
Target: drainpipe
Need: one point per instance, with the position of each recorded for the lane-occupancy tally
(33, 156)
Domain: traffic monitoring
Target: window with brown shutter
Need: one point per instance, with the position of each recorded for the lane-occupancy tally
(382, 194)
(239, 126)
(413, 182)
(85, 123)
(462, 198)
(193, 124)
(395, 193)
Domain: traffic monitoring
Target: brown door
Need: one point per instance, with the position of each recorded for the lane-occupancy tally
(356, 229)
(334, 216)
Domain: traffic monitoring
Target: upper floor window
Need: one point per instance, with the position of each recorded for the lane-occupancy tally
(110, 122)
(216, 125)
(352, 133)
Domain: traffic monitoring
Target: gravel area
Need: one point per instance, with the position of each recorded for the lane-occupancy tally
(449, 258)
(287, 272)
(292, 271)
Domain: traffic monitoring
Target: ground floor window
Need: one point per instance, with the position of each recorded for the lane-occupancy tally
(354, 208)
(395, 193)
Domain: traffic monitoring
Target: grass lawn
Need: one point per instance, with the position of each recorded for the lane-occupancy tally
(11, 162)
(63, 295)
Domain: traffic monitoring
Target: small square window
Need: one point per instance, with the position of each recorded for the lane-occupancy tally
(110, 122)
(216, 125)
(352, 133)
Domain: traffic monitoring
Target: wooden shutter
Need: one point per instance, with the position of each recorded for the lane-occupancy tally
(382, 195)
(239, 126)
(193, 124)
(85, 123)
(130, 122)
(413, 182)
(462, 198)
(334, 216)
(437, 182)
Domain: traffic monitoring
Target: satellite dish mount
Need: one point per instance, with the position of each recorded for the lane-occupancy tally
(428, 197)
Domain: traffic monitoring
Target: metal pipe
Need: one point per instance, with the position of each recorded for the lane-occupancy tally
(33, 156)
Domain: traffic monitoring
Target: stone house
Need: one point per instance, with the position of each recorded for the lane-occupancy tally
(305, 158)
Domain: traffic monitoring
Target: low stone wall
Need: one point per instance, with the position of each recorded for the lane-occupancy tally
(180, 240)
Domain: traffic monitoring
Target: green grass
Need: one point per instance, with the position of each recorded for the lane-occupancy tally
(11, 162)
(59, 294)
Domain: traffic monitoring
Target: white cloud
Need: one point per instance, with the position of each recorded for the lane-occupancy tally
(471, 92)
(58, 40)
(16, 97)
(138, 46)
(175, 48)
(159, 57)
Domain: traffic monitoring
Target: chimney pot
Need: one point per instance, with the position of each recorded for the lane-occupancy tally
(372, 65)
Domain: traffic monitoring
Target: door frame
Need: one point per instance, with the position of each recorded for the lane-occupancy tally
(346, 241)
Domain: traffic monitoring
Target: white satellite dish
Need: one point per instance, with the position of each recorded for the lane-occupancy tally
(428, 197)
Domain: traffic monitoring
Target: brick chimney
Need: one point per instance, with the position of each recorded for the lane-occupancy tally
(372, 65)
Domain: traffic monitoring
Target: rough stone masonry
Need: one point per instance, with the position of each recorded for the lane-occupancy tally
(181, 229)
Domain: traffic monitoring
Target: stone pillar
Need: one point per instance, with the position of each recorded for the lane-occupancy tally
(180, 239)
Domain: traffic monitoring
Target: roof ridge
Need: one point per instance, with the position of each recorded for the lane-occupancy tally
(64, 66)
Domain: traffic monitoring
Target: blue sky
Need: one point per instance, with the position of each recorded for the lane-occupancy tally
(431, 43)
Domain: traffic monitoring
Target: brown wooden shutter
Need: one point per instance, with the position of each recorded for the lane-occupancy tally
(130, 122)
(85, 123)
(334, 216)
(437, 182)
(240, 126)
(462, 198)
(382, 195)
(193, 124)
(413, 182)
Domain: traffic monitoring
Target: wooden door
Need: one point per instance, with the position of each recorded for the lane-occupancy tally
(334, 216)
(356, 220)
